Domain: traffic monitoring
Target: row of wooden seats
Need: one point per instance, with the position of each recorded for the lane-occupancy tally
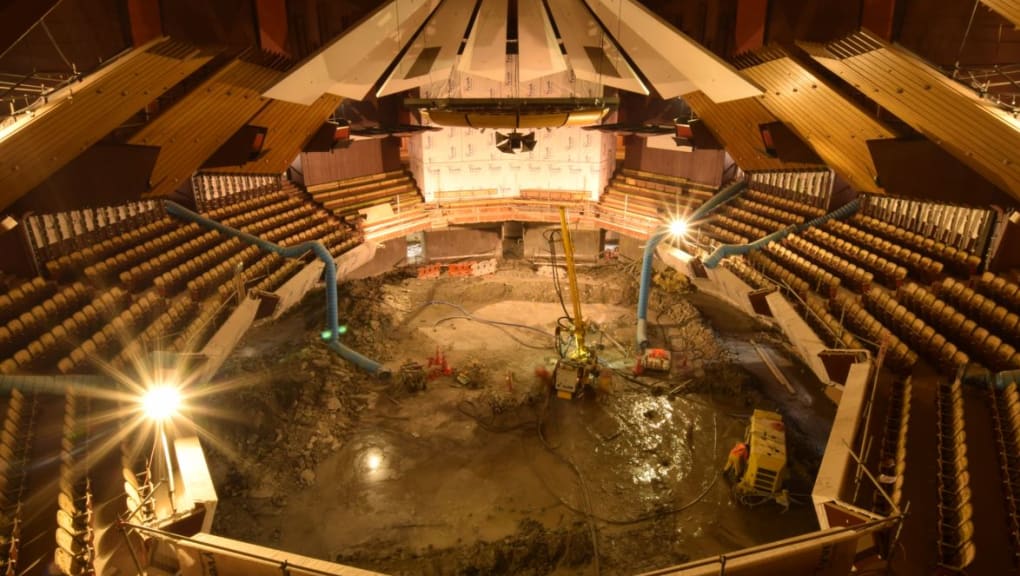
(672, 199)
(786, 280)
(347, 202)
(752, 219)
(784, 217)
(1003, 290)
(821, 281)
(61, 338)
(888, 272)
(174, 280)
(109, 270)
(664, 183)
(358, 183)
(915, 330)
(854, 275)
(988, 347)
(71, 265)
(140, 496)
(19, 331)
(200, 328)
(807, 211)
(112, 337)
(340, 241)
(225, 207)
(256, 214)
(749, 275)
(271, 228)
(828, 327)
(24, 296)
(279, 275)
(956, 548)
(738, 227)
(156, 336)
(722, 235)
(141, 276)
(984, 309)
(893, 451)
(873, 333)
(15, 446)
(201, 286)
(75, 536)
(957, 260)
(1006, 415)
(921, 266)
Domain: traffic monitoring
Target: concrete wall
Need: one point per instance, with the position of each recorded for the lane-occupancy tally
(457, 243)
(387, 256)
(587, 243)
(836, 461)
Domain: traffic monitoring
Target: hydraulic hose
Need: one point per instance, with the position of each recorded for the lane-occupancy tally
(332, 322)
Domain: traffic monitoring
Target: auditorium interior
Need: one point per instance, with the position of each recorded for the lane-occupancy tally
(567, 287)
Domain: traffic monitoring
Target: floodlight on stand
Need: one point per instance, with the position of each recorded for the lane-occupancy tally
(161, 402)
(678, 228)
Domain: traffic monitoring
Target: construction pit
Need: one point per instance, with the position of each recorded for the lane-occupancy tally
(484, 471)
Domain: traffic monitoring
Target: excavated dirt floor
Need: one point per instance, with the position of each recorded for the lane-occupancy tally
(496, 477)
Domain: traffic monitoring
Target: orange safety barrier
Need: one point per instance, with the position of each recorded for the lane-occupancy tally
(431, 271)
(460, 269)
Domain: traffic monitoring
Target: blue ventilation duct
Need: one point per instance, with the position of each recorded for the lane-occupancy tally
(332, 323)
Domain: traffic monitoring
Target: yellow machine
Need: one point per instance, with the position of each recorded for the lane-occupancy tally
(765, 468)
(578, 366)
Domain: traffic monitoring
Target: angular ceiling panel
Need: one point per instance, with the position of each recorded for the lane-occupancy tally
(591, 52)
(352, 64)
(485, 54)
(672, 62)
(539, 51)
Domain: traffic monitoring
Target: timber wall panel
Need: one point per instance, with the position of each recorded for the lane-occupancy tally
(197, 125)
(978, 133)
(290, 126)
(830, 124)
(735, 125)
(68, 126)
(1008, 9)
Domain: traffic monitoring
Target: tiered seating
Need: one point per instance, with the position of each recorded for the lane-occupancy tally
(989, 313)
(889, 272)
(788, 281)
(828, 326)
(955, 548)
(173, 281)
(75, 534)
(915, 330)
(71, 265)
(822, 282)
(958, 261)
(231, 206)
(200, 328)
(898, 356)
(24, 296)
(753, 219)
(346, 197)
(784, 217)
(987, 347)
(893, 453)
(1005, 405)
(857, 277)
(16, 441)
(921, 266)
(28, 325)
(749, 275)
(110, 338)
(1005, 292)
(141, 276)
(807, 211)
(722, 235)
(109, 269)
(57, 341)
(737, 227)
(167, 324)
(640, 201)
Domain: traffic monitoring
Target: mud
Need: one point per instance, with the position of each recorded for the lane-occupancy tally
(497, 477)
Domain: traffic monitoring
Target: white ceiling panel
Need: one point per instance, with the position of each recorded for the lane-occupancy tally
(433, 53)
(485, 53)
(353, 63)
(591, 52)
(669, 60)
(539, 52)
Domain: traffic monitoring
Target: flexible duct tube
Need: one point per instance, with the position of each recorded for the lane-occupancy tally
(332, 323)
(725, 250)
(719, 199)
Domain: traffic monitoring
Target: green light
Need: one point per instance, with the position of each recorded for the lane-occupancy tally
(341, 330)
(326, 334)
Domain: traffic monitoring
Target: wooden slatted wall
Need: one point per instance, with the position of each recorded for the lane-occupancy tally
(74, 120)
(833, 126)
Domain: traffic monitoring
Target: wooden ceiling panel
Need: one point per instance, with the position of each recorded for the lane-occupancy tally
(197, 125)
(836, 129)
(735, 124)
(1008, 9)
(290, 127)
(976, 131)
(78, 116)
